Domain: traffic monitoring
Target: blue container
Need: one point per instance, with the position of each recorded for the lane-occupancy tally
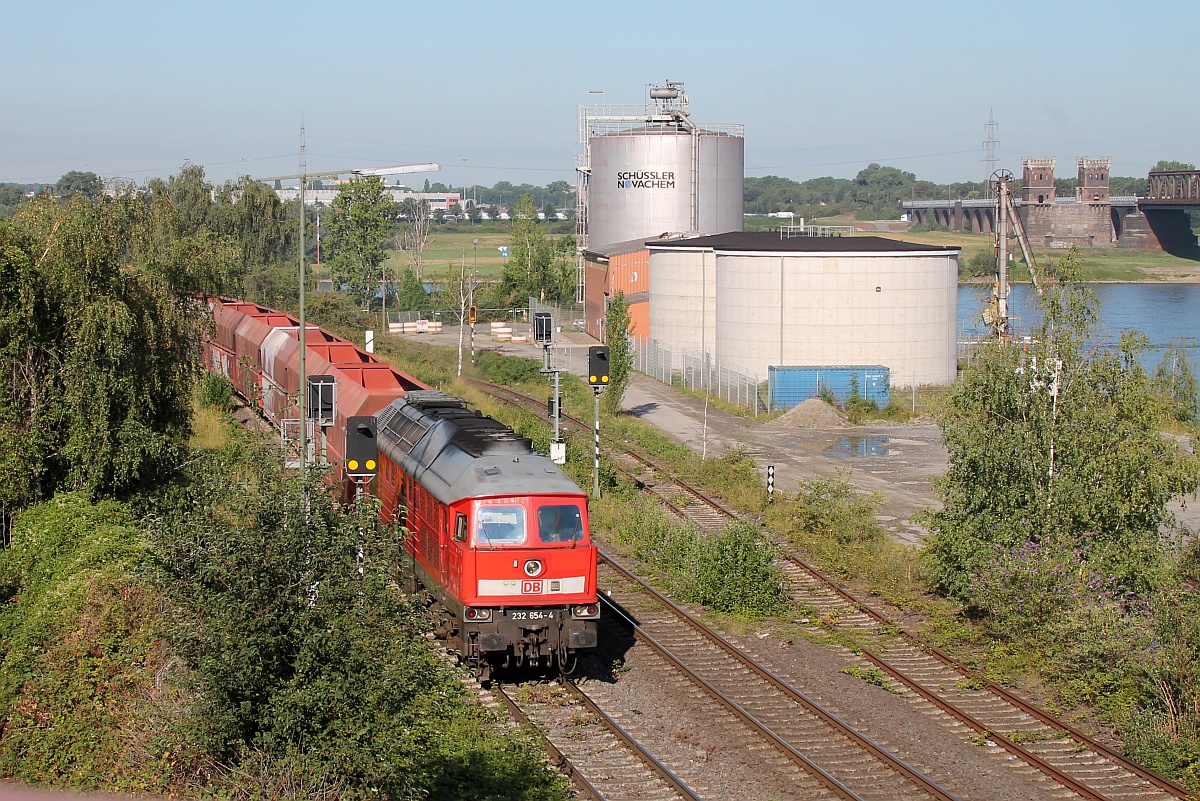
(790, 386)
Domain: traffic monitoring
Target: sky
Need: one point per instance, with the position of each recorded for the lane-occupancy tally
(490, 90)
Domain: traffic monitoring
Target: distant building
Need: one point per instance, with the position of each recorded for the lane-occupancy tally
(438, 201)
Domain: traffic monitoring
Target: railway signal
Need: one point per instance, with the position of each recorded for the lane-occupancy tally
(598, 379)
(598, 366)
(362, 449)
(543, 331)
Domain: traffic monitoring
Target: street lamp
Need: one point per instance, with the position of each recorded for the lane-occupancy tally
(305, 176)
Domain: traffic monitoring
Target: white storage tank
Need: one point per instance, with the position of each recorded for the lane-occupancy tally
(647, 181)
(814, 301)
(650, 169)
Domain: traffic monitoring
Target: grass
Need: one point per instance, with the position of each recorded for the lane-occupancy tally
(1098, 264)
(447, 249)
(210, 432)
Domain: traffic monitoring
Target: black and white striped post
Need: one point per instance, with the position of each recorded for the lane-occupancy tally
(598, 378)
(596, 449)
(771, 482)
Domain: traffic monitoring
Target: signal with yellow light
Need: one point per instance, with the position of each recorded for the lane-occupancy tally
(362, 449)
(598, 365)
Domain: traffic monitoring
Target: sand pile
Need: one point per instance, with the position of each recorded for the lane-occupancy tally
(813, 413)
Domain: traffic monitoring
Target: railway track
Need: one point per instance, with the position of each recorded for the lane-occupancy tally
(824, 752)
(592, 748)
(914, 667)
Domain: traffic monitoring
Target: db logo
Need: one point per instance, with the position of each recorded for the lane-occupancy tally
(531, 588)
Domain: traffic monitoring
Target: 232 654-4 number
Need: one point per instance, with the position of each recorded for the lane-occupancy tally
(534, 614)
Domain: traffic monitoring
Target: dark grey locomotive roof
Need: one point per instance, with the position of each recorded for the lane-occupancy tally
(456, 453)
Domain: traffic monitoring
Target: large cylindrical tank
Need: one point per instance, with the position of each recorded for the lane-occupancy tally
(661, 178)
(893, 309)
(683, 306)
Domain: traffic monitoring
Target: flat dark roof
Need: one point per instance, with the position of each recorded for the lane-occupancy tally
(618, 248)
(770, 241)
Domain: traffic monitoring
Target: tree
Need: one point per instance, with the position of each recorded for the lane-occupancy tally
(620, 351)
(99, 337)
(1172, 166)
(414, 236)
(412, 295)
(10, 196)
(1058, 449)
(1175, 381)
(182, 240)
(529, 257)
(360, 219)
(253, 214)
(82, 183)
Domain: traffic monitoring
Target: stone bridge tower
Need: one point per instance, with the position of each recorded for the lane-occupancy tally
(1037, 180)
(1093, 180)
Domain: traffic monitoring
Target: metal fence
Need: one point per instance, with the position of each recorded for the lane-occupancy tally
(652, 359)
(565, 318)
(698, 370)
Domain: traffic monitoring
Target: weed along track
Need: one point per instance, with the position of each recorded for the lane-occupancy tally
(1049, 752)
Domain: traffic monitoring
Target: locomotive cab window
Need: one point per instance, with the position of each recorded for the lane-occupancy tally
(560, 524)
(500, 525)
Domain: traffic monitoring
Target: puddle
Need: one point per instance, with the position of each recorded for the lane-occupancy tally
(860, 446)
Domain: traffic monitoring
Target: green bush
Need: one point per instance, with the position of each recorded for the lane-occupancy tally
(980, 264)
(80, 640)
(215, 392)
(834, 510)
(732, 571)
(508, 371)
(307, 662)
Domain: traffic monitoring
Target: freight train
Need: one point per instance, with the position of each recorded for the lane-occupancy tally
(497, 533)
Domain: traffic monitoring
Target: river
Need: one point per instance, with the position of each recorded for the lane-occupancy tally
(1161, 311)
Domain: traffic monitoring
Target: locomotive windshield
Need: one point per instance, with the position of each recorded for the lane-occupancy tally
(500, 525)
(560, 524)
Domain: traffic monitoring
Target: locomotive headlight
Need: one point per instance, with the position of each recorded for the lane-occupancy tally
(585, 611)
(477, 615)
(533, 568)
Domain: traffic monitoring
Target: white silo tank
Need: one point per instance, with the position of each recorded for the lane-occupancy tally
(656, 171)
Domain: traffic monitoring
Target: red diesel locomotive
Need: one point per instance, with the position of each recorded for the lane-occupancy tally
(498, 534)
